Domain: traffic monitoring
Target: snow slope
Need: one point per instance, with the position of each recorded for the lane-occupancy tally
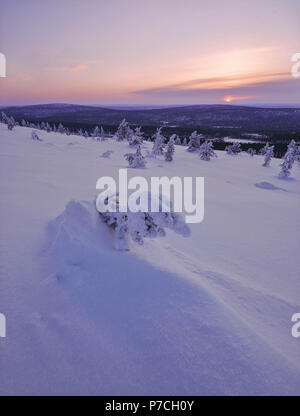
(207, 314)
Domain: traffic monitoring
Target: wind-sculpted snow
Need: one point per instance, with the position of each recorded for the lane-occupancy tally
(206, 314)
(174, 335)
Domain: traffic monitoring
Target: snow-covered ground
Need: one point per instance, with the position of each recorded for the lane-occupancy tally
(207, 314)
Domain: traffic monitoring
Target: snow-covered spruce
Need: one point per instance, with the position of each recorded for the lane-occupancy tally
(263, 151)
(233, 149)
(136, 138)
(158, 145)
(206, 151)
(102, 134)
(170, 150)
(140, 225)
(61, 129)
(123, 132)
(268, 156)
(251, 151)
(184, 143)
(136, 160)
(194, 142)
(288, 160)
(177, 139)
(9, 121)
(96, 133)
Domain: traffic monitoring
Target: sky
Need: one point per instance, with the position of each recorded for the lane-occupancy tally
(147, 52)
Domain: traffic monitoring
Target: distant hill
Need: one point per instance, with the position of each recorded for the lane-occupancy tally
(212, 117)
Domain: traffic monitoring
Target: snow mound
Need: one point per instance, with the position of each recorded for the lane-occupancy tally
(140, 320)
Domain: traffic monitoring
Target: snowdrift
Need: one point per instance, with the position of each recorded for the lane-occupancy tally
(207, 314)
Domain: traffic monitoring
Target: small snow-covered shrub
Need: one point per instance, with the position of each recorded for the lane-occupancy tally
(140, 225)
(136, 160)
(102, 136)
(123, 132)
(194, 142)
(169, 153)
(61, 129)
(206, 151)
(158, 145)
(136, 138)
(251, 151)
(176, 139)
(268, 156)
(233, 149)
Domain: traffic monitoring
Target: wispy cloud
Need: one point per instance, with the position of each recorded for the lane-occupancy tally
(218, 83)
(75, 68)
(241, 88)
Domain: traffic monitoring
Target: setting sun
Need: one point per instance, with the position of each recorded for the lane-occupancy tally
(228, 99)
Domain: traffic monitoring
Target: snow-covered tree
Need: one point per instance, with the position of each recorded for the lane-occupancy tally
(298, 154)
(177, 140)
(264, 149)
(23, 123)
(11, 123)
(158, 145)
(194, 142)
(170, 150)
(86, 134)
(123, 132)
(206, 151)
(96, 132)
(136, 160)
(251, 151)
(140, 225)
(184, 143)
(288, 160)
(268, 156)
(233, 149)
(61, 129)
(102, 134)
(136, 138)
(4, 118)
(35, 136)
(48, 128)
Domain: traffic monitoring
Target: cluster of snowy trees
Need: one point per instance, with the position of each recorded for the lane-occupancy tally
(135, 138)
(97, 134)
(9, 121)
(140, 225)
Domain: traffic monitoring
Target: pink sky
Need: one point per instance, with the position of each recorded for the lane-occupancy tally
(154, 52)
